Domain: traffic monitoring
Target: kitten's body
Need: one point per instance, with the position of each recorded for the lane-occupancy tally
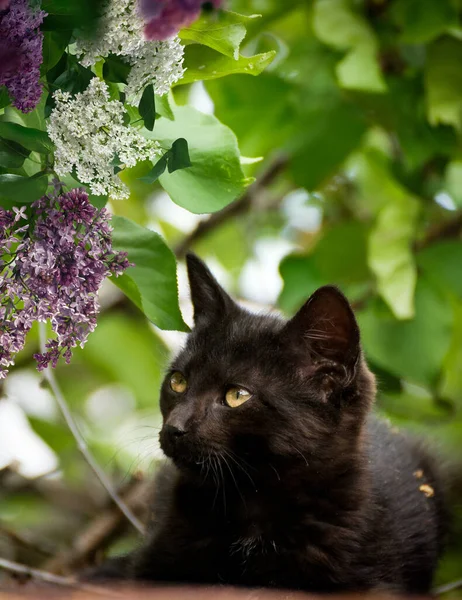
(367, 528)
(298, 487)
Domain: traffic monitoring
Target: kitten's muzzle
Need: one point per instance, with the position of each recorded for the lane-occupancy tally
(173, 440)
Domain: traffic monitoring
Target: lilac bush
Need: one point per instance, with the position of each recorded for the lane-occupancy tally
(21, 52)
(52, 269)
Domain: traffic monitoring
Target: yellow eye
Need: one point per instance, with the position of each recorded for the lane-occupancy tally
(236, 396)
(178, 382)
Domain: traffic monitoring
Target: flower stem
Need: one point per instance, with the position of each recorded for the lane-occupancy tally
(81, 443)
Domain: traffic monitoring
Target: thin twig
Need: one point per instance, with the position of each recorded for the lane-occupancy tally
(448, 587)
(14, 567)
(447, 230)
(23, 540)
(81, 443)
(241, 205)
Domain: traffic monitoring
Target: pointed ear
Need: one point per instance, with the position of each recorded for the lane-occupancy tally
(209, 299)
(326, 327)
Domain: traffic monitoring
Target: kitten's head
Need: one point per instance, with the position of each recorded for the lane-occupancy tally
(259, 389)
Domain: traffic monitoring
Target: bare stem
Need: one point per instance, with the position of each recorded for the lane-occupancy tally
(14, 567)
(448, 587)
(81, 443)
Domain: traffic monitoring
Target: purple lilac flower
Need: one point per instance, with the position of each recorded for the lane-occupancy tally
(165, 17)
(53, 271)
(21, 52)
(10, 60)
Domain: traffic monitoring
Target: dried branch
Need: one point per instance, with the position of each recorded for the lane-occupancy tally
(81, 443)
(25, 541)
(240, 206)
(13, 567)
(99, 532)
(77, 501)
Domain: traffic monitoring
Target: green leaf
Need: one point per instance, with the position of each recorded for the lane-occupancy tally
(215, 177)
(151, 284)
(258, 109)
(301, 278)
(16, 189)
(163, 107)
(396, 210)
(203, 63)
(220, 244)
(75, 78)
(67, 15)
(115, 162)
(402, 110)
(57, 435)
(69, 76)
(412, 349)
(54, 45)
(417, 405)
(327, 135)
(421, 21)
(12, 155)
(443, 80)
(98, 201)
(147, 107)
(4, 97)
(442, 263)
(157, 169)
(451, 381)
(337, 24)
(359, 70)
(338, 258)
(222, 30)
(145, 355)
(178, 156)
(390, 253)
(453, 181)
(115, 69)
(30, 138)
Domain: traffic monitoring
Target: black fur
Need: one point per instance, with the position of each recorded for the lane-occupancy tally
(300, 487)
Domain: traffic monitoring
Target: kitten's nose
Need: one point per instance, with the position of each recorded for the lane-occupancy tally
(174, 432)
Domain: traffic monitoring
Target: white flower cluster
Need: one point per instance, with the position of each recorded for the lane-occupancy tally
(121, 33)
(88, 131)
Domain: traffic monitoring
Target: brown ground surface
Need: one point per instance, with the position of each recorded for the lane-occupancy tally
(43, 592)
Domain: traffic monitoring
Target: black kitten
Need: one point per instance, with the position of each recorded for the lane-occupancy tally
(280, 477)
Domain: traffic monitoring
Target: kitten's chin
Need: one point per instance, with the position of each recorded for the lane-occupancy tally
(182, 459)
(187, 464)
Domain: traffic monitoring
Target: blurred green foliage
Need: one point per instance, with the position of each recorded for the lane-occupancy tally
(364, 103)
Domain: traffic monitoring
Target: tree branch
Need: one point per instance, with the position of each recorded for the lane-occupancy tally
(13, 567)
(243, 204)
(24, 541)
(81, 443)
(99, 532)
(449, 229)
